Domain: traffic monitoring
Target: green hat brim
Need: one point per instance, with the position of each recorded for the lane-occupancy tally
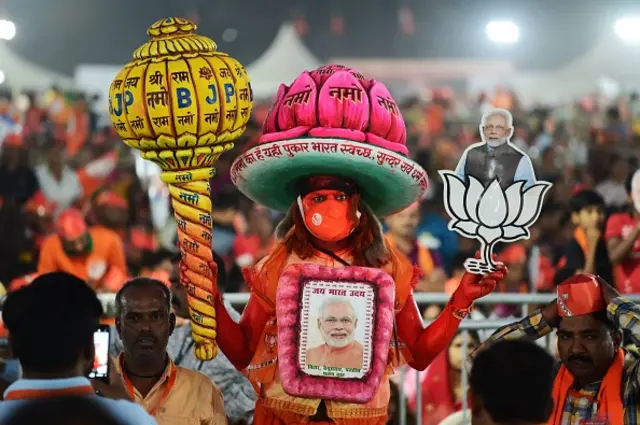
(269, 173)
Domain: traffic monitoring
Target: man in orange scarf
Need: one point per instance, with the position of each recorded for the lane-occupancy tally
(596, 382)
(94, 254)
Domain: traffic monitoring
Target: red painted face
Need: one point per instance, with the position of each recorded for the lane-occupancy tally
(330, 215)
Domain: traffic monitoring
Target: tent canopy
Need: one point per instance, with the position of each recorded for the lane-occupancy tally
(282, 62)
(609, 57)
(426, 69)
(21, 74)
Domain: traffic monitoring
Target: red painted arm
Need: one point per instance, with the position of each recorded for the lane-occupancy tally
(425, 343)
(238, 341)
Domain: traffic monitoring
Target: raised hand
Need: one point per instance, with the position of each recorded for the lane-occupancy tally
(475, 286)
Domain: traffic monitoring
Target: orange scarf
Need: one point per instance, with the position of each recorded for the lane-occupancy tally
(609, 399)
(581, 239)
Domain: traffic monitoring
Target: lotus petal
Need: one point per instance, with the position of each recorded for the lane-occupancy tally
(386, 121)
(514, 201)
(271, 121)
(298, 108)
(492, 208)
(380, 122)
(343, 103)
(489, 234)
(514, 232)
(474, 192)
(532, 204)
(454, 191)
(469, 228)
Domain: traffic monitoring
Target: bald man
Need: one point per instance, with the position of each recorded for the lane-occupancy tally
(337, 322)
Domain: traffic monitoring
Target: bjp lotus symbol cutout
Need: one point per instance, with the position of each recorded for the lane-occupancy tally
(493, 196)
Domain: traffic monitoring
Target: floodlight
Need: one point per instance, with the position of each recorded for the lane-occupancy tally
(503, 32)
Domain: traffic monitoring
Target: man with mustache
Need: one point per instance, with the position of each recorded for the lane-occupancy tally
(496, 157)
(596, 382)
(171, 394)
(337, 323)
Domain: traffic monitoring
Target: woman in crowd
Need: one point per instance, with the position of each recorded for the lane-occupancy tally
(441, 384)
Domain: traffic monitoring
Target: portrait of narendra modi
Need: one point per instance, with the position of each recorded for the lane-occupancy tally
(337, 323)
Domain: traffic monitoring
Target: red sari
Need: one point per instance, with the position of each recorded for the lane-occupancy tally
(437, 392)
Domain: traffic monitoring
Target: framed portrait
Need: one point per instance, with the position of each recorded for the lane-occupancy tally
(334, 330)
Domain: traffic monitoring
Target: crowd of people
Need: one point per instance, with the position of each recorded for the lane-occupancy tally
(74, 202)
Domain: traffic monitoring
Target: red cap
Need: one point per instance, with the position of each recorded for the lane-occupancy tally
(143, 240)
(580, 294)
(14, 140)
(70, 225)
(40, 205)
(111, 199)
(22, 281)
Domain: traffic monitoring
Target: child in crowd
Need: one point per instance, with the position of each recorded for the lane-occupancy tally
(586, 251)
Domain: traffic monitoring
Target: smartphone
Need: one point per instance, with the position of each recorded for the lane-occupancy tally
(101, 343)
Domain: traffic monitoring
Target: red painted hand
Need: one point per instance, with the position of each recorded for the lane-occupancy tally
(474, 286)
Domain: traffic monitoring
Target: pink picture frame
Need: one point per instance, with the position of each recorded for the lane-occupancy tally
(292, 308)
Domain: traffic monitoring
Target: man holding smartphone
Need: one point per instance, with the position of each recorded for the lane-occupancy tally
(172, 394)
(55, 362)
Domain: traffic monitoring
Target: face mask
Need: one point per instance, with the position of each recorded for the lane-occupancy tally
(330, 215)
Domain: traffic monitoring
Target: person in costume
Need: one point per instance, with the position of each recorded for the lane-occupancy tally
(596, 379)
(333, 157)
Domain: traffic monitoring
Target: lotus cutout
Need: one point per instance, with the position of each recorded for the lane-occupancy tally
(490, 214)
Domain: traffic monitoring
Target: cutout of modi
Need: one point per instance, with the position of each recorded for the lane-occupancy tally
(337, 323)
(496, 157)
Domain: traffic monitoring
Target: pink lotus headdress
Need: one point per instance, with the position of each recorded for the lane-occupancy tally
(336, 102)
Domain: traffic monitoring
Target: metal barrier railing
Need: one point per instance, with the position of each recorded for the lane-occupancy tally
(241, 298)
(468, 324)
(441, 298)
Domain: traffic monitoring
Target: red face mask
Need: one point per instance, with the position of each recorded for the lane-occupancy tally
(330, 215)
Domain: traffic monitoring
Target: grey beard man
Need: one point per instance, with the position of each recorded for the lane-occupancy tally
(495, 157)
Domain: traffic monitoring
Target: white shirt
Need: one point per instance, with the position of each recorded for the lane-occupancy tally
(63, 192)
(614, 194)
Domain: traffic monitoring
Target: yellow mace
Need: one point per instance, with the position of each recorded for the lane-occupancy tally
(182, 104)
